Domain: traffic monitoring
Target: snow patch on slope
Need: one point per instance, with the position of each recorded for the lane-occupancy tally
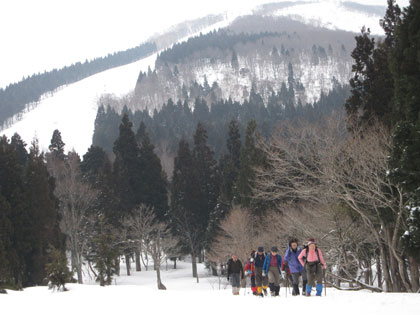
(332, 15)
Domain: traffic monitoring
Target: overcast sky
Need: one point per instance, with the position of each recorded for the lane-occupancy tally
(38, 35)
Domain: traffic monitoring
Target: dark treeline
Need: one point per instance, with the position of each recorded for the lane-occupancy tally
(222, 39)
(29, 217)
(16, 96)
(177, 120)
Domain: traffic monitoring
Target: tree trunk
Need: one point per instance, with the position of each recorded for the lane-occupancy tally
(73, 260)
(385, 267)
(138, 264)
(79, 268)
(379, 271)
(368, 273)
(175, 262)
(159, 281)
(194, 266)
(395, 271)
(214, 270)
(414, 272)
(144, 263)
(117, 266)
(200, 258)
(128, 264)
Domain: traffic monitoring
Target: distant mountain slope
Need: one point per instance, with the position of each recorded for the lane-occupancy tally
(264, 53)
(333, 14)
(72, 109)
(279, 49)
(24, 95)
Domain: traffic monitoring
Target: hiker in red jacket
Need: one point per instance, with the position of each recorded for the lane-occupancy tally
(250, 271)
(314, 264)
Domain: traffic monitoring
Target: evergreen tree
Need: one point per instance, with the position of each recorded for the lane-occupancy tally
(5, 242)
(229, 166)
(58, 274)
(290, 76)
(92, 162)
(20, 148)
(231, 162)
(251, 157)
(390, 22)
(108, 199)
(372, 85)
(154, 184)
(405, 157)
(127, 172)
(105, 252)
(42, 227)
(207, 178)
(57, 145)
(183, 214)
(16, 244)
(234, 60)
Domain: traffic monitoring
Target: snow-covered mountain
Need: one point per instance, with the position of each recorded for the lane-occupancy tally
(332, 14)
(73, 108)
(264, 53)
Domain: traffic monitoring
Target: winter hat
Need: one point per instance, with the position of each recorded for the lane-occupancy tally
(274, 249)
(261, 249)
(311, 241)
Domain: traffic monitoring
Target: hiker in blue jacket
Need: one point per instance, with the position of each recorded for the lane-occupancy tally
(291, 256)
(271, 268)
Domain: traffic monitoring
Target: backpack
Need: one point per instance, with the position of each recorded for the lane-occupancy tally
(306, 247)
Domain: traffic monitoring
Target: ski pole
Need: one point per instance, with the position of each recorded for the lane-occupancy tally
(287, 284)
(325, 284)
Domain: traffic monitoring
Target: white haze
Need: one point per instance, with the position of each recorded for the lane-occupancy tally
(45, 34)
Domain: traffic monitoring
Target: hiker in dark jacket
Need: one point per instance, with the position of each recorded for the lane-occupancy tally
(260, 281)
(271, 268)
(235, 273)
(291, 256)
(314, 264)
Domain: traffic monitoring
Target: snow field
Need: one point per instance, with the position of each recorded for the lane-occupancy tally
(139, 294)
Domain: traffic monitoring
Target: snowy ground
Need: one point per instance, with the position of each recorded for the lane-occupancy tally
(139, 294)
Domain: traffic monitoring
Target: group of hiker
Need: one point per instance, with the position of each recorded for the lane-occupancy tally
(267, 269)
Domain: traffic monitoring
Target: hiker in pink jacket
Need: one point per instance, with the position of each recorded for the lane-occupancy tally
(313, 261)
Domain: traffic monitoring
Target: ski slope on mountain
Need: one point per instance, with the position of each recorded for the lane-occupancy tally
(333, 15)
(138, 294)
(72, 109)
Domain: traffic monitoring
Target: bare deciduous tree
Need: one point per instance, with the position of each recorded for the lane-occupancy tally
(152, 237)
(323, 166)
(238, 235)
(75, 199)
